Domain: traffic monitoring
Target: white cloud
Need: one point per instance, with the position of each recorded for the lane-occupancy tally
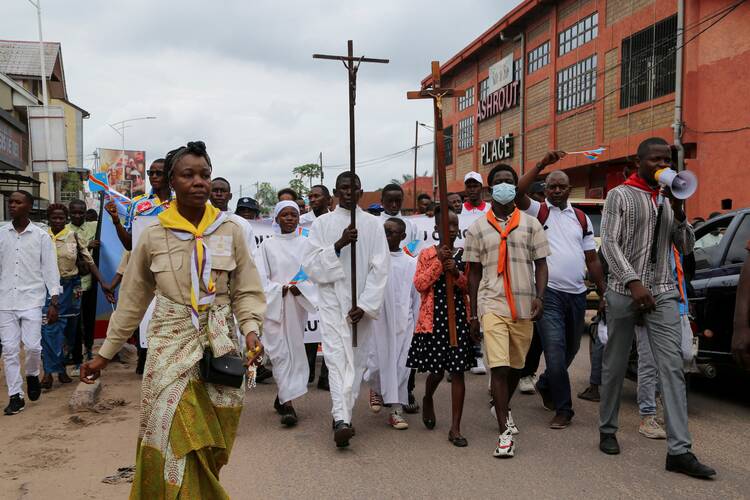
(240, 76)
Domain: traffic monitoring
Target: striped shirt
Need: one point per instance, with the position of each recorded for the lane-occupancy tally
(628, 226)
(526, 244)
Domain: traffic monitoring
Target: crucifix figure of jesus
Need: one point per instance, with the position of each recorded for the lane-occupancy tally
(351, 63)
(437, 93)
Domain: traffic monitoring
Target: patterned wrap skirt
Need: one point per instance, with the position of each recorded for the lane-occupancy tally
(187, 426)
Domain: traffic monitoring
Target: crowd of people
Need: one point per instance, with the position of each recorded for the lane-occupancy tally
(221, 300)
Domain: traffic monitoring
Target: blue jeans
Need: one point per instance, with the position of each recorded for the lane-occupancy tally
(560, 329)
(54, 335)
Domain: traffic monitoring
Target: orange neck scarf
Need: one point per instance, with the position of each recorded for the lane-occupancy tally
(680, 274)
(503, 266)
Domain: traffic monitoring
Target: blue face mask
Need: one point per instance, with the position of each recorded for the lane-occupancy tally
(503, 193)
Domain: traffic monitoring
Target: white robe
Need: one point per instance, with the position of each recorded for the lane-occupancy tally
(387, 373)
(247, 229)
(307, 219)
(411, 228)
(284, 324)
(331, 273)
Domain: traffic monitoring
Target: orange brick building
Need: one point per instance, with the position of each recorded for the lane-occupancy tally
(579, 74)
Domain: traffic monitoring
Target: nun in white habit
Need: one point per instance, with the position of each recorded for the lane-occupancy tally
(290, 296)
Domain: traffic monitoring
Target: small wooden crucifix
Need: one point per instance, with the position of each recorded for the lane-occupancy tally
(351, 64)
(437, 93)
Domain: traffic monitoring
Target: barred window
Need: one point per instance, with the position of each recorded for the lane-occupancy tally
(517, 68)
(579, 34)
(466, 133)
(484, 88)
(466, 100)
(448, 141)
(649, 63)
(576, 85)
(538, 58)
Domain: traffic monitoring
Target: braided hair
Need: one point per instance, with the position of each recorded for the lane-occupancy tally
(195, 148)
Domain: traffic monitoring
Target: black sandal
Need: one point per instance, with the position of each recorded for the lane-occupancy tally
(428, 422)
(458, 441)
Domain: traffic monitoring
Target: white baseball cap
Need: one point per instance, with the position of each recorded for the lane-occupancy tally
(475, 176)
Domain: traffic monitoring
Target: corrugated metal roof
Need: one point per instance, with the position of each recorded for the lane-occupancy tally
(21, 58)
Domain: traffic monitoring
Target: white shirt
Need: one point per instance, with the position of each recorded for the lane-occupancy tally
(566, 263)
(28, 268)
(411, 229)
(307, 219)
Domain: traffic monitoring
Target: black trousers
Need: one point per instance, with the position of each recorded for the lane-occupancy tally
(311, 350)
(88, 317)
(534, 355)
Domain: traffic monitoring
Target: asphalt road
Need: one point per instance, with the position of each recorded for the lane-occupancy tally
(67, 457)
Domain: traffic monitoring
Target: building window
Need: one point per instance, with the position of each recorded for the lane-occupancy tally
(484, 89)
(517, 68)
(580, 33)
(539, 57)
(648, 63)
(576, 85)
(466, 100)
(448, 142)
(466, 133)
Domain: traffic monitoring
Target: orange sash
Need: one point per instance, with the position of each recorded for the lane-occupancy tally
(680, 274)
(503, 266)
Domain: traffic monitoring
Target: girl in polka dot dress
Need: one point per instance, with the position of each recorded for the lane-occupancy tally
(430, 348)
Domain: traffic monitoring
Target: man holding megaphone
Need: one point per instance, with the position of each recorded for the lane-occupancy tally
(639, 231)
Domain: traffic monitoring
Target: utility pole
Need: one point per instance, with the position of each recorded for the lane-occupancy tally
(416, 139)
(320, 159)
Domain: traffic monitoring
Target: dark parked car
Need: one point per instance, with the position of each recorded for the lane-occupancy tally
(720, 251)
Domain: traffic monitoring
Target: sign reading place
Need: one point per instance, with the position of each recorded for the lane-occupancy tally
(498, 149)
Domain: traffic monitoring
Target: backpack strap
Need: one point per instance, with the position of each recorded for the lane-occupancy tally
(583, 221)
(543, 213)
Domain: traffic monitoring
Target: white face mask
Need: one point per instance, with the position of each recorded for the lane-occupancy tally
(503, 193)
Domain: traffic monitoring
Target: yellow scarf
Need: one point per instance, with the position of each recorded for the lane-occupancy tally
(59, 236)
(200, 270)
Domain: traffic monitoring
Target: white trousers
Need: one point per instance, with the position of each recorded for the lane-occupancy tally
(16, 327)
(346, 365)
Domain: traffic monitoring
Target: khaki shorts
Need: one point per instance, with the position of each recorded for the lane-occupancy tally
(506, 342)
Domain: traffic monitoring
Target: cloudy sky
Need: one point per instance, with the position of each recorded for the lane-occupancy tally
(239, 75)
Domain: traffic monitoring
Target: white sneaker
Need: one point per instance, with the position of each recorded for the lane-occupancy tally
(509, 423)
(397, 421)
(479, 369)
(526, 384)
(651, 429)
(506, 448)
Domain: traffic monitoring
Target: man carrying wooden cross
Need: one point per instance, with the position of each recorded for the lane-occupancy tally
(327, 262)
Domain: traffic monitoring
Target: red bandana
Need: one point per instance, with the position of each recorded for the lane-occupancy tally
(637, 181)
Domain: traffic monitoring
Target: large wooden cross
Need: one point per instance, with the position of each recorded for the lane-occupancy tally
(437, 93)
(351, 64)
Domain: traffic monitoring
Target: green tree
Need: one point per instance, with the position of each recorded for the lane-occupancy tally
(307, 171)
(266, 196)
(299, 186)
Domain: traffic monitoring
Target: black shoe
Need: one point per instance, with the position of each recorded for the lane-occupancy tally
(15, 405)
(413, 406)
(608, 443)
(590, 393)
(288, 416)
(547, 401)
(262, 374)
(33, 387)
(323, 384)
(277, 405)
(688, 464)
(342, 433)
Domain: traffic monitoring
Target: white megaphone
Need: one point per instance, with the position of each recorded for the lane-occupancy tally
(682, 184)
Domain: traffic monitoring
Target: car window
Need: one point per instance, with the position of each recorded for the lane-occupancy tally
(595, 215)
(738, 248)
(708, 242)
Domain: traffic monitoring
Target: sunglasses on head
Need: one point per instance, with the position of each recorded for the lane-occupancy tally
(154, 173)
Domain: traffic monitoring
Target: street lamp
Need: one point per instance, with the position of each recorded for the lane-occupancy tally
(120, 126)
(45, 101)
